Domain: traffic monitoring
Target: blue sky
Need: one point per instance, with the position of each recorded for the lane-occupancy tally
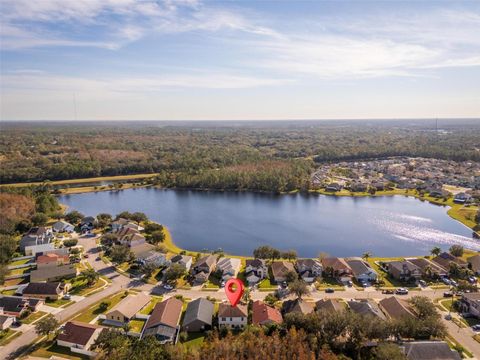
(191, 59)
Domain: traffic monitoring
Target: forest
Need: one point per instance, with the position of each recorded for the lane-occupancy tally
(271, 156)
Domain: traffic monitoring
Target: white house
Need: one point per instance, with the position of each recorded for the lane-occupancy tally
(79, 337)
(63, 226)
(232, 317)
(35, 249)
(255, 271)
(184, 260)
(309, 269)
(229, 267)
(152, 257)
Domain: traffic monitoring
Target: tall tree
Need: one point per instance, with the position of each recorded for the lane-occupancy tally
(46, 325)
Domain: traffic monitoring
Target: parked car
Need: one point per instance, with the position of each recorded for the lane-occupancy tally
(388, 291)
(168, 287)
(401, 291)
(472, 279)
(446, 281)
(447, 294)
(453, 283)
(67, 297)
(349, 283)
(476, 327)
(329, 290)
(422, 283)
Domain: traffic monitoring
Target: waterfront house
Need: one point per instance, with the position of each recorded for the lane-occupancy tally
(396, 308)
(462, 198)
(130, 237)
(280, 269)
(309, 269)
(329, 306)
(151, 257)
(255, 270)
(337, 267)
(470, 303)
(297, 306)
(361, 270)
(426, 350)
(403, 270)
(53, 273)
(87, 223)
(122, 223)
(183, 260)
(198, 315)
(203, 268)
(63, 226)
(126, 309)
(164, 320)
(44, 290)
(79, 337)
(228, 267)
(428, 268)
(474, 263)
(445, 258)
(333, 187)
(366, 307)
(262, 314)
(16, 306)
(234, 317)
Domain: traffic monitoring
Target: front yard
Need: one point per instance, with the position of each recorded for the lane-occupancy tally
(33, 317)
(8, 335)
(95, 309)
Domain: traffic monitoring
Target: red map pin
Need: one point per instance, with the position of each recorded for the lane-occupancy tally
(234, 295)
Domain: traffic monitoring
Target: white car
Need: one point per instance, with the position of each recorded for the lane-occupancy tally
(168, 287)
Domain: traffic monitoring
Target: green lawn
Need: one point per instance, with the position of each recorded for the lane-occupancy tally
(47, 349)
(9, 292)
(79, 286)
(59, 303)
(19, 262)
(149, 307)
(266, 285)
(330, 283)
(33, 317)
(8, 335)
(94, 310)
(194, 339)
(137, 325)
(19, 271)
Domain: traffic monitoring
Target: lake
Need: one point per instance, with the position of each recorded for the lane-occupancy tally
(310, 224)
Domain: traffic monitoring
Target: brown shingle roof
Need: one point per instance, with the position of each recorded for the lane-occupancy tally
(52, 288)
(396, 308)
(77, 333)
(281, 268)
(130, 305)
(263, 313)
(225, 310)
(167, 312)
(329, 305)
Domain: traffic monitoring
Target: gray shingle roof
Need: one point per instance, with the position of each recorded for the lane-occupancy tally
(199, 309)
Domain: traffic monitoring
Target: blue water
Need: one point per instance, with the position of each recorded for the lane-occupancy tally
(310, 224)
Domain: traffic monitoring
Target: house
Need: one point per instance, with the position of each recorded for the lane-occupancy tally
(126, 309)
(87, 223)
(403, 270)
(262, 314)
(462, 198)
(119, 224)
(33, 250)
(151, 257)
(52, 260)
(429, 268)
(198, 315)
(63, 226)
(362, 270)
(255, 270)
(333, 187)
(53, 273)
(228, 267)
(203, 268)
(297, 306)
(366, 307)
(47, 291)
(396, 308)
(428, 350)
(6, 321)
(309, 269)
(337, 267)
(445, 258)
(470, 303)
(183, 260)
(329, 305)
(474, 263)
(130, 237)
(163, 322)
(39, 235)
(79, 337)
(234, 317)
(16, 306)
(280, 269)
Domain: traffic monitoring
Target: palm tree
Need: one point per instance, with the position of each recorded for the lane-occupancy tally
(366, 255)
(428, 271)
(435, 251)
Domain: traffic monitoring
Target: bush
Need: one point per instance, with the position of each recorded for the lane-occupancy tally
(39, 219)
(70, 242)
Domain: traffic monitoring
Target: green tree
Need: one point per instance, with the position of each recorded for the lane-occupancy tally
(39, 219)
(108, 239)
(74, 217)
(91, 276)
(366, 255)
(299, 288)
(435, 251)
(46, 325)
(121, 254)
(263, 252)
(70, 242)
(291, 276)
(139, 217)
(388, 351)
(456, 250)
(151, 227)
(148, 269)
(103, 220)
(174, 272)
(289, 255)
(157, 237)
(8, 245)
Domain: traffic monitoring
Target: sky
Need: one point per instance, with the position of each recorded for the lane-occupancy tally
(220, 60)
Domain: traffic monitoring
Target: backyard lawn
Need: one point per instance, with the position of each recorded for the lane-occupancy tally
(194, 339)
(149, 307)
(267, 285)
(47, 349)
(136, 325)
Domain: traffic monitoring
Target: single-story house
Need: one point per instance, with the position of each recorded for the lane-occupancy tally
(366, 307)
(428, 267)
(280, 269)
(184, 260)
(470, 303)
(228, 267)
(474, 263)
(163, 322)
(235, 317)
(87, 223)
(37, 235)
(131, 237)
(53, 273)
(255, 270)
(396, 308)
(198, 315)
(122, 223)
(445, 258)
(126, 309)
(262, 314)
(6, 321)
(203, 268)
(151, 257)
(51, 260)
(42, 290)
(297, 306)
(333, 187)
(309, 269)
(462, 198)
(79, 337)
(329, 305)
(63, 226)
(427, 350)
(16, 306)
(33, 250)
(362, 270)
(403, 270)
(337, 267)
